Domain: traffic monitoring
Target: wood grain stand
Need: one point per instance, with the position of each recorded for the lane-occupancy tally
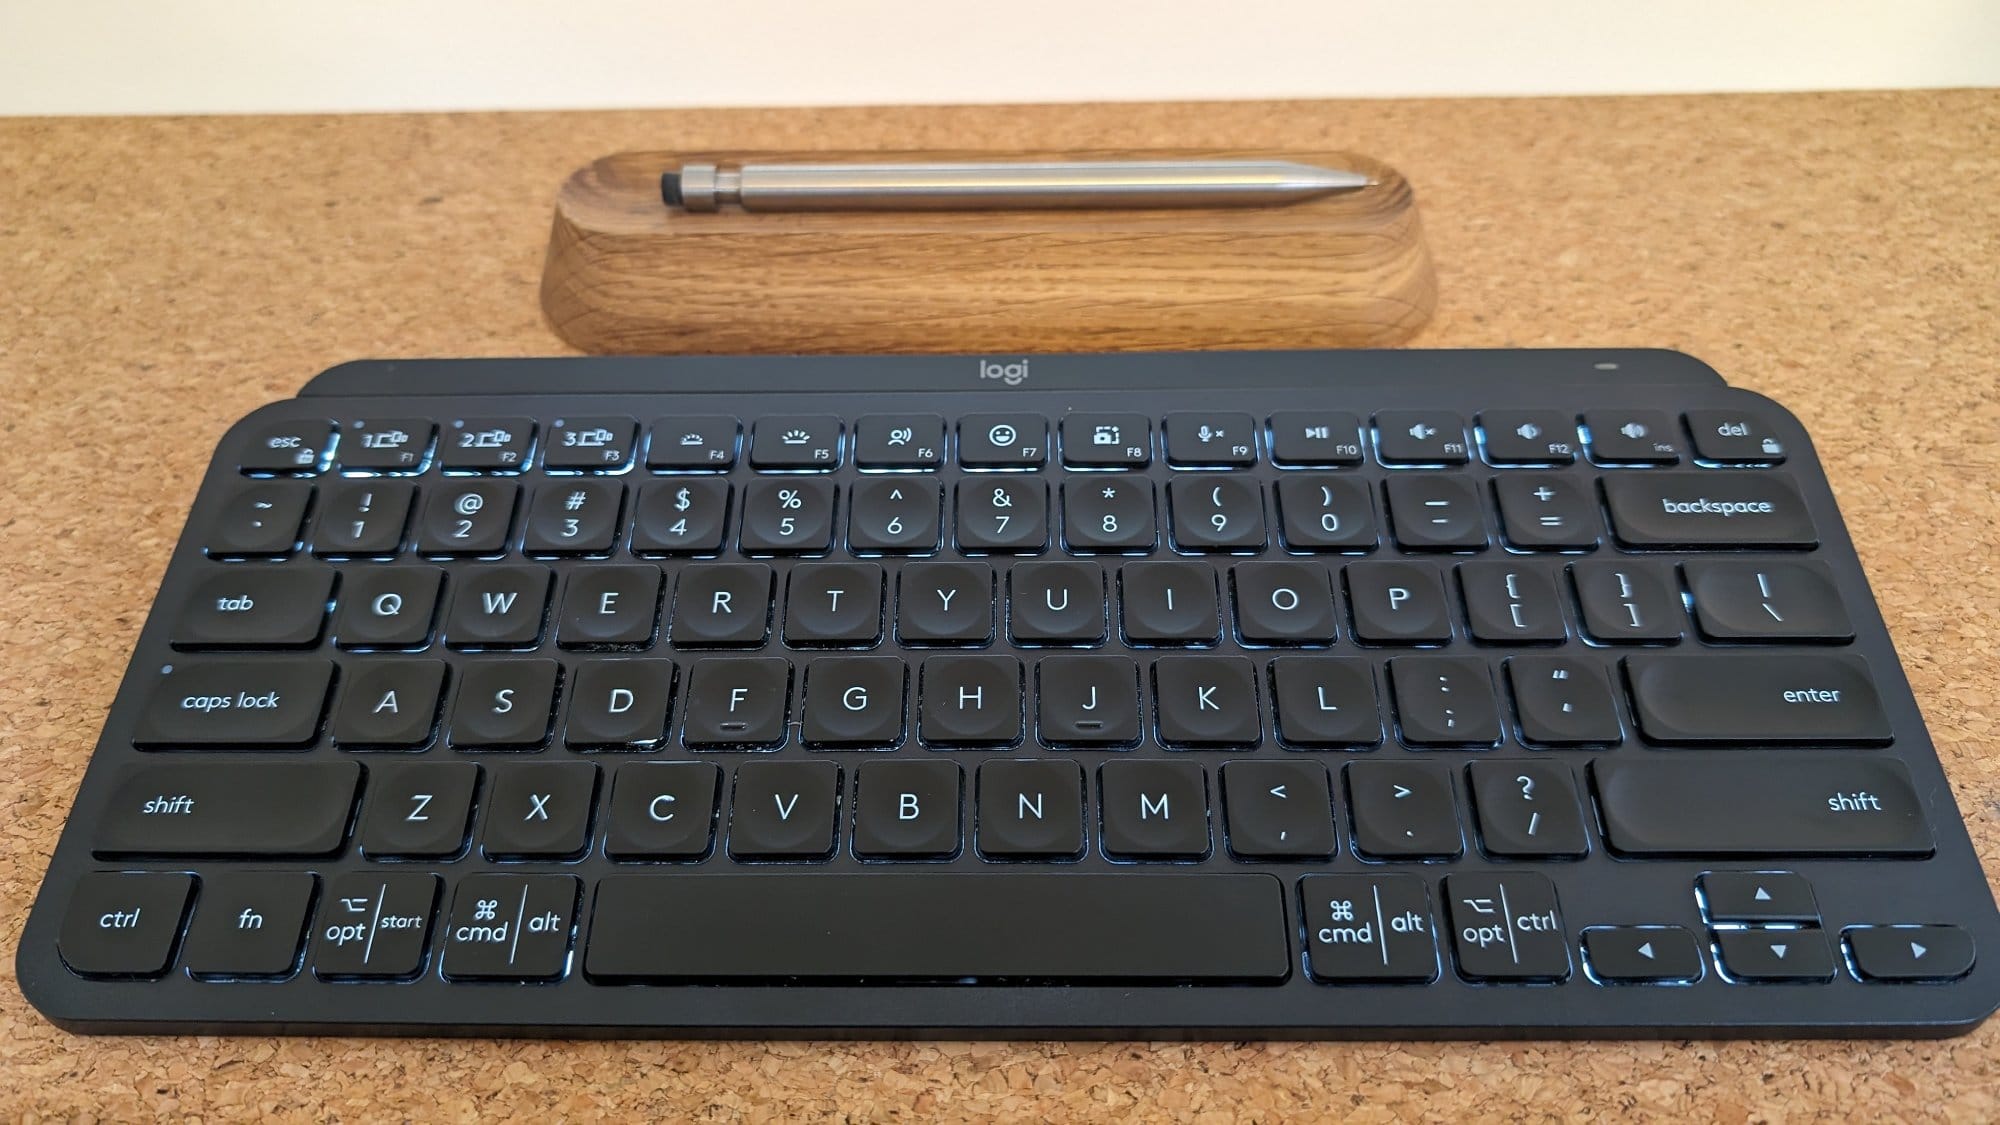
(625, 273)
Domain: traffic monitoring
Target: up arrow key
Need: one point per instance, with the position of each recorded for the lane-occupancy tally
(1762, 895)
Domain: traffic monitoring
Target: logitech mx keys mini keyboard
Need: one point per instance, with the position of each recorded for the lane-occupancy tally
(1286, 694)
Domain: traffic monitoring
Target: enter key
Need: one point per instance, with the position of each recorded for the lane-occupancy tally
(1714, 697)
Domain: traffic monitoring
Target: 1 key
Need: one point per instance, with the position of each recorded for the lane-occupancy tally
(364, 519)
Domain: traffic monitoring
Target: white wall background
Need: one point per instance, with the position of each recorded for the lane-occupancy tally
(254, 56)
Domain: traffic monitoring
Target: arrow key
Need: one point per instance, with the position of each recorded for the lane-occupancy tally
(1758, 897)
(1278, 810)
(1910, 953)
(1775, 955)
(1642, 955)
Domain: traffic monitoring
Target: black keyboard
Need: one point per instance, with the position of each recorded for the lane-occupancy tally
(1288, 694)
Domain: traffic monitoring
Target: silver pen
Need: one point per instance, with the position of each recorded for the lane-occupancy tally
(1002, 186)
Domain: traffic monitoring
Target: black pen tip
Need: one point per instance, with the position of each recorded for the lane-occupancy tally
(670, 188)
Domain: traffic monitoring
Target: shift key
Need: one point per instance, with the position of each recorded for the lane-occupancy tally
(248, 703)
(210, 807)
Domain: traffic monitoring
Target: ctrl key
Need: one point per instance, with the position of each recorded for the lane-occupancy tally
(374, 926)
(123, 923)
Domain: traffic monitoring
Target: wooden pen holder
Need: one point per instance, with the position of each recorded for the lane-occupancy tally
(627, 274)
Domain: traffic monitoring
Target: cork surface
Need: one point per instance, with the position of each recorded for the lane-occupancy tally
(159, 278)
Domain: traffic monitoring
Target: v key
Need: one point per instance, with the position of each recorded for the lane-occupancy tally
(784, 810)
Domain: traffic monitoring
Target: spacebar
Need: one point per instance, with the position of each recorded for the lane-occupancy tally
(965, 928)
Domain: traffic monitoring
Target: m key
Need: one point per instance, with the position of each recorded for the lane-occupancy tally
(1154, 810)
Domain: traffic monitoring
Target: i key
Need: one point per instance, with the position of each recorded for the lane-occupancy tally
(1168, 603)
(1527, 810)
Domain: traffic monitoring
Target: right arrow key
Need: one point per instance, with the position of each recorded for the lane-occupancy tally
(1910, 953)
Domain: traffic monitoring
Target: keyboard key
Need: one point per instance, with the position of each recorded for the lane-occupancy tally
(834, 605)
(374, 926)
(499, 607)
(796, 442)
(364, 519)
(596, 444)
(390, 445)
(784, 810)
(899, 441)
(620, 705)
(610, 607)
(1278, 810)
(1003, 441)
(1403, 810)
(471, 517)
(1420, 437)
(1642, 954)
(1563, 701)
(1734, 437)
(1757, 803)
(1368, 928)
(1444, 701)
(1315, 438)
(1154, 810)
(1216, 513)
(684, 516)
(970, 701)
(855, 702)
(1527, 810)
(1435, 512)
(1168, 603)
(722, 605)
(1758, 897)
(1506, 927)
(1325, 702)
(1326, 513)
(264, 702)
(907, 810)
(944, 603)
(260, 518)
(787, 516)
(1632, 437)
(295, 447)
(662, 810)
(232, 607)
(198, 808)
(1547, 512)
(1715, 697)
(504, 704)
(1210, 439)
(1003, 514)
(1283, 603)
(1775, 955)
(1030, 810)
(1107, 440)
(893, 514)
(389, 705)
(417, 810)
(487, 445)
(510, 927)
(1207, 702)
(387, 607)
(249, 924)
(1767, 600)
(1086, 701)
(1528, 437)
(1108, 514)
(1707, 509)
(737, 703)
(539, 810)
(1056, 603)
(1397, 603)
(577, 517)
(693, 443)
(1627, 602)
(1506, 603)
(1910, 953)
(123, 923)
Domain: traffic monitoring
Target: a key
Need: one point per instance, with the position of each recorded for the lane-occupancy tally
(387, 445)
(610, 607)
(683, 516)
(261, 518)
(620, 705)
(1910, 953)
(1506, 927)
(1168, 603)
(1003, 441)
(387, 607)
(388, 705)
(722, 605)
(1153, 810)
(1003, 514)
(662, 810)
(235, 607)
(1435, 512)
(468, 517)
(787, 515)
(1715, 697)
(417, 810)
(1030, 809)
(1773, 600)
(1086, 701)
(1119, 441)
(364, 519)
(249, 924)
(1775, 955)
(1397, 603)
(1210, 439)
(1632, 437)
(123, 923)
(1628, 602)
(193, 808)
(1322, 512)
(1760, 803)
(297, 448)
(1325, 702)
(499, 607)
(574, 517)
(970, 701)
(510, 927)
(737, 703)
(893, 514)
(1056, 603)
(834, 605)
(596, 444)
(1315, 438)
(907, 810)
(1508, 603)
(1278, 810)
(944, 603)
(504, 704)
(487, 445)
(1444, 701)
(1642, 954)
(266, 702)
(1207, 702)
(1368, 929)
(1527, 810)
(1216, 513)
(1108, 513)
(1420, 437)
(693, 443)
(539, 810)
(855, 702)
(1283, 603)
(899, 441)
(1403, 810)
(1758, 897)
(1711, 508)
(1529, 437)
(784, 810)
(1734, 437)
(374, 925)
(1563, 701)
(1547, 512)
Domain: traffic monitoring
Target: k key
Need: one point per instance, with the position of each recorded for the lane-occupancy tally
(1207, 702)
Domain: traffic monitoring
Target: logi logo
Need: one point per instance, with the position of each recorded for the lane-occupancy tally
(1013, 374)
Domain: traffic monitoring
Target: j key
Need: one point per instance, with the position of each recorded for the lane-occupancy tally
(260, 518)
(1325, 702)
(1087, 701)
(1003, 514)
(1003, 441)
(1910, 953)
(1216, 513)
(1108, 514)
(1211, 440)
(1326, 513)
(685, 516)
(249, 923)
(787, 515)
(364, 518)
(737, 704)
(388, 704)
(1030, 810)
(1563, 701)
(1315, 438)
(1278, 810)
(944, 603)
(1420, 437)
(1725, 698)
(1056, 603)
(504, 704)
(1153, 810)
(390, 445)
(1632, 437)
(1642, 954)
(123, 923)
(1767, 600)
(620, 705)
(1527, 810)
(693, 442)
(233, 607)
(288, 447)
(539, 810)
(795, 442)
(1506, 603)
(1734, 437)
(575, 517)
(1435, 512)
(1529, 437)
(1107, 440)
(1403, 810)
(907, 810)
(1207, 702)
(855, 702)
(970, 701)
(784, 810)
(1708, 508)
(1369, 928)
(1283, 603)
(1775, 955)
(487, 445)
(662, 810)
(264, 702)
(899, 441)
(719, 605)
(499, 607)
(610, 607)
(374, 925)
(387, 607)
(1444, 701)
(1168, 603)
(1628, 602)
(590, 444)
(1398, 603)
(836, 605)
(1506, 927)
(893, 514)
(1759, 803)
(417, 810)
(187, 808)
(472, 517)
(1758, 897)
(1546, 512)
(510, 927)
